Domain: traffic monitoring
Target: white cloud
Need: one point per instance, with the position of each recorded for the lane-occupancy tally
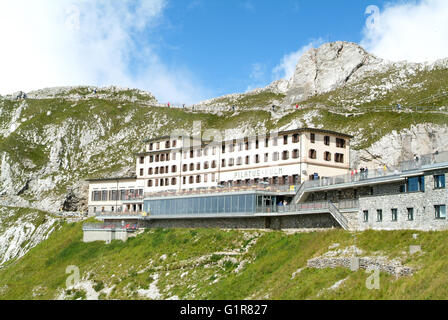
(415, 31)
(249, 6)
(257, 71)
(48, 43)
(287, 66)
(257, 76)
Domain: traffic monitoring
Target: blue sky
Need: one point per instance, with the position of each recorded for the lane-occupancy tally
(185, 51)
(223, 40)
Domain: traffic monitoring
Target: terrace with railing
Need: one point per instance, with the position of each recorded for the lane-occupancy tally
(265, 187)
(306, 206)
(110, 227)
(382, 172)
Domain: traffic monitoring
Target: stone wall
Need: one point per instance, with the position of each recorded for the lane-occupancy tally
(315, 221)
(382, 264)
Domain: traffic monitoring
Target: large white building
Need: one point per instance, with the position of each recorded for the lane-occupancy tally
(178, 164)
(285, 158)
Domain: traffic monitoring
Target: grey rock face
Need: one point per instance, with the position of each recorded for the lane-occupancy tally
(329, 67)
(400, 146)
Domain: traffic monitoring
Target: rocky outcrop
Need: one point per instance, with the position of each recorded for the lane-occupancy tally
(21, 230)
(329, 67)
(401, 146)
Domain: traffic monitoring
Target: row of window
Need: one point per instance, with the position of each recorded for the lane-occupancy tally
(439, 213)
(159, 170)
(241, 146)
(185, 180)
(338, 157)
(340, 143)
(159, 158)
(115, 195)
(157, 145)
(276, 156)
(417, 184)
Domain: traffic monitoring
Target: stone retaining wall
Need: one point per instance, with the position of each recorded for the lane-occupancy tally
(392, 267)
(276, 223)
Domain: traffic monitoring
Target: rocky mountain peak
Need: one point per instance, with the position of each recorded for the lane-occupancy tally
(329, 67)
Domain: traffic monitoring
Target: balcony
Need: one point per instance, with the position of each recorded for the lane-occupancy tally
(133, 197)
(123, 214)
(110, 227)
(265, 187)
(424, 162)
(309, 206)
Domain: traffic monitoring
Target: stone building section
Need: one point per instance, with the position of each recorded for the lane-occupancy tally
(412, 196)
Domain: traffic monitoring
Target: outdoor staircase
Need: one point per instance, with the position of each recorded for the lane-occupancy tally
(299, 194)
(337, 215)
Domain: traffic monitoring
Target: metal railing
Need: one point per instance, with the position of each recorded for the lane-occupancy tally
(119, 213)
(380, 172)
(425, 160)
(232, 189)
(133, 197)
(299, 193)
(338, 216)
(308, 206)
(109, 226)
(347, 204)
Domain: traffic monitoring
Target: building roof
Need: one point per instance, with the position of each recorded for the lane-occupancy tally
(111, 179)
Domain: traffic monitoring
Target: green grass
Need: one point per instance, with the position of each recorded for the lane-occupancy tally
(190, 265)
(373, 125)
(252, 100)
(419, 89)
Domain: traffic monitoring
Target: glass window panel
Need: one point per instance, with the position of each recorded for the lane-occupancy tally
(188, 205)
(439, 181)
(413, 184)
(242, 203)
(214, 205)
(208, 205)
(228, 205)
(442, 211)
(183, 206)
(202, 205)
(250, 199)
(168, 206)
(235, 203)
(221, 204)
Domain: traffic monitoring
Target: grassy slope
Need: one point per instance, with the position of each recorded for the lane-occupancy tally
(128, 122)
(272, 261)
(420, 89)
(154, 121)
(369, 127)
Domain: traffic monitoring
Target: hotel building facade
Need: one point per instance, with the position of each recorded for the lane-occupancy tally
(177, 164)
(286, 158)
(294, 179)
